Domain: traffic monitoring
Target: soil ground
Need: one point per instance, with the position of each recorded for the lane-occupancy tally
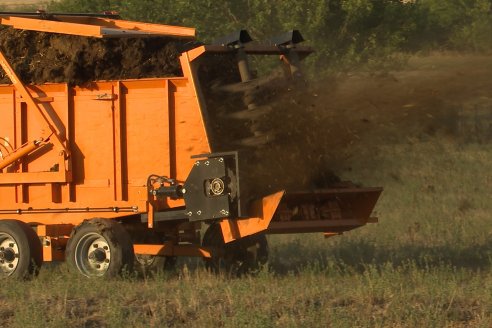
(46, 57)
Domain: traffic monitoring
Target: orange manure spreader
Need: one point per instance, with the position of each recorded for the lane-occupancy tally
(121, 174)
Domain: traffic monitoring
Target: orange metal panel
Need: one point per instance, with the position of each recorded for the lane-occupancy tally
(167, 30)
(97, 27)
(93, 139)
(195, 53)
(52, 126)
(50, 131)
(262, 212)
(190, 131)
(42, 25)
(34, 177)
(119, 191)
(305, 226)
(8, 125)
(59, 216)
(160, 29)
(169, 249)
(118, 132)
(19, 153)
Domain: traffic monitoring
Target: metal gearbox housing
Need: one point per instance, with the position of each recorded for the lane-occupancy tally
(211, 190)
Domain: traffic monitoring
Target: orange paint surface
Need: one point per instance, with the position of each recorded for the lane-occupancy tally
(117, 134)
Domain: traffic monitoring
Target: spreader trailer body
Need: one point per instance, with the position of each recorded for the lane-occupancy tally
(122, 173)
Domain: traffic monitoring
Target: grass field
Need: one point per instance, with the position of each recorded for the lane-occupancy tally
(426, 264)
(22, 4)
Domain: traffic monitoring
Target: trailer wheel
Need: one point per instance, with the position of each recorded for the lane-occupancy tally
(147, 265)
(239, 257)
(21, 254)
(100, 248)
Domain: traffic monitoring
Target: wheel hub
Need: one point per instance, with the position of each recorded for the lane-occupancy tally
(98, 255)
(93, 255)
(9, 254)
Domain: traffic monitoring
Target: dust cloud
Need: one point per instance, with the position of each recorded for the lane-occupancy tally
(319, 130)
(309, 131)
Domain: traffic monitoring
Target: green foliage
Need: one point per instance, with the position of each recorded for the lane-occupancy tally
(455, 24)
(82, 6)
(345, 33)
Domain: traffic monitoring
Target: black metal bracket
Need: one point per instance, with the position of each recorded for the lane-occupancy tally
(235, 39)
(288, 38)
(211, 190)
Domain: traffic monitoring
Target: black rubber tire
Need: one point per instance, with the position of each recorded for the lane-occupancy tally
(237, 258)
(113, 236)
(30, 252)
(149, 265)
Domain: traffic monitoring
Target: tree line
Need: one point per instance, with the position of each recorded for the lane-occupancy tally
(345, 33)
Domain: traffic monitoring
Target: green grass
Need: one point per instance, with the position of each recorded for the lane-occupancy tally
(426, 264)
(380, 295)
